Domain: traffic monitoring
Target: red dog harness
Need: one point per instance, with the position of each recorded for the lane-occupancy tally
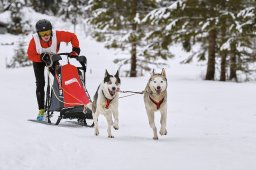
(108, 100)
(107, 104)
(158, 104)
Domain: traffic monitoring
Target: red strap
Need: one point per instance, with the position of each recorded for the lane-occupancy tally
(158, 104)
(108, 100)
(107, 104)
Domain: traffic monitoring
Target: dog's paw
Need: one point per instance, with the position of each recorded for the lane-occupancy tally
(110, 136)
(163, 132)
(116, 127)
(155, 137)
(96, 132)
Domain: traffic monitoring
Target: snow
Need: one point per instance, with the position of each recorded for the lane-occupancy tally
(211, 125)
(247, 12)
(171, 25)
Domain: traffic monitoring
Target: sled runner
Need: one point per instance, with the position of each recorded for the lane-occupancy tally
(67, 95)
(40, 122)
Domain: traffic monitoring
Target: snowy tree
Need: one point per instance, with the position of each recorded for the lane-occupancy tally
(18, 25)
(20, 58)
(73, 10)
(46, 6)
(5, 5)
(188, 22)
(239, 26)
(165, 25)
(118, 23)
(16, 16)
(221, 27)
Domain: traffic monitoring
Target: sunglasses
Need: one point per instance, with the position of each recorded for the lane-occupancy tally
(45, 33)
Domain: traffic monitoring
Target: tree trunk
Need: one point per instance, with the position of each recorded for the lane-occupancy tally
(133, 71)
(211, 55)
(233, 62)
(224, 52)
(223, 66)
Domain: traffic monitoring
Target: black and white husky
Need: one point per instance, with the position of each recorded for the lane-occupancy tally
(155, 98)
(106, 102)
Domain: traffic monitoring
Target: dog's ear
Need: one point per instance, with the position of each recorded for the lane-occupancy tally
(153, 72)
(117, 74)
(163, 72)
(106, 73)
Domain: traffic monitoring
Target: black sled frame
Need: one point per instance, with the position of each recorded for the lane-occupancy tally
(54, 94)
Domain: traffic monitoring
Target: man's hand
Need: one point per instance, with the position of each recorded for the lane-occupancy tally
(73, 54)
(45, 57)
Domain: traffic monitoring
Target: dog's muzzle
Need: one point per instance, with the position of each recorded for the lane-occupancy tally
(113, 91)
(158, 90)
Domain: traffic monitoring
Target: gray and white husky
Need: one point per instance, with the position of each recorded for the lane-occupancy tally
(155, 98)
(106, 102)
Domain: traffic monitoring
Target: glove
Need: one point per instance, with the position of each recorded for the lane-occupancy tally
(73, 54)
(45, 57)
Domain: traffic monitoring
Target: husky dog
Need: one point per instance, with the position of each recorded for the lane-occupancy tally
(106, 102)
(155, 98)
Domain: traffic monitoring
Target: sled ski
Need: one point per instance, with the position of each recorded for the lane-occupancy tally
(41, 122)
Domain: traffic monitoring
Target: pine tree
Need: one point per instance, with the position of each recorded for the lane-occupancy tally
(16, 16)
(118, 23)
(50, 7)
(18, 24)
(5, 5)
(240, 16)
(224, 29)
(20, 58)
(73, 10)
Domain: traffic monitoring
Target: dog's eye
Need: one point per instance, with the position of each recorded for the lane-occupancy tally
(109, 82)
(162, 81)
(154, 81)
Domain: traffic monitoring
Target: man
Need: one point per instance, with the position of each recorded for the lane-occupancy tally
(47, 41)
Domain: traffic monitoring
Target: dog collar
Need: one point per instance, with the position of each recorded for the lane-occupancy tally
(108, 100)
(158, 104)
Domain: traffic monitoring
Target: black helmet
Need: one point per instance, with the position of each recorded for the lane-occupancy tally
(43, 25)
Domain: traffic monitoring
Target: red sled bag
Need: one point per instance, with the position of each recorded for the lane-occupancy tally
(73, 90)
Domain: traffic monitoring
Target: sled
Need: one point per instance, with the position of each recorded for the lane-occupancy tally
(67, 94)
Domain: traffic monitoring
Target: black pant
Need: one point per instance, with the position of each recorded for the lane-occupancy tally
(40, 82)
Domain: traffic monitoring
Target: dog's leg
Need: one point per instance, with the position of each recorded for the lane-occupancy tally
(151, 121)
(115, 114)
(163, 119)
(95, 119)
(110, 123)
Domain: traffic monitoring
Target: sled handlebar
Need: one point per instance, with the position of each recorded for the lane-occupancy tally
(81, 59)
(67, 54)
(56, 57)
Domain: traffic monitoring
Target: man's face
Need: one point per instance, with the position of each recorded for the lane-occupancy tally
(45, 35)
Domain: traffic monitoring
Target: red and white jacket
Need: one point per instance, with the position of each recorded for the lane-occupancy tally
(37, 46)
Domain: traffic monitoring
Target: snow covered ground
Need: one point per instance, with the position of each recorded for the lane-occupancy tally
(211, 125)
